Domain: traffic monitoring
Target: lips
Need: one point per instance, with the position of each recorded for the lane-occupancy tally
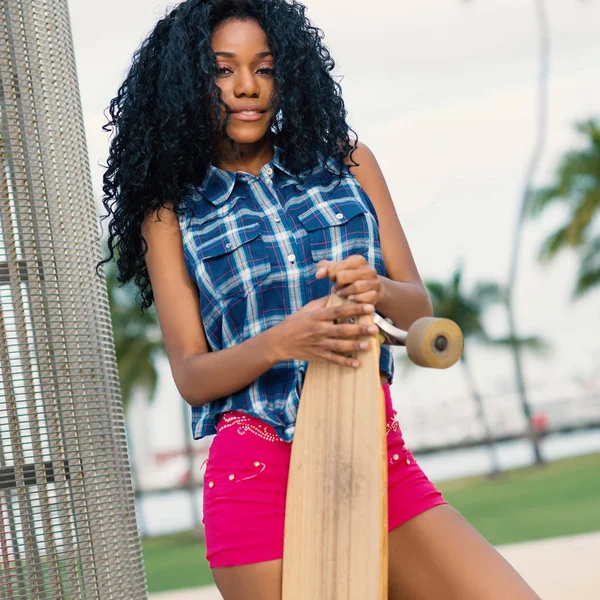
(247, 114)
(247, 110)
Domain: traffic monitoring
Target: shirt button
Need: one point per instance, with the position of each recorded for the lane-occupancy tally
(292, 258)
(269, 171)
(277, 219)
(228, 245)
(339, 216)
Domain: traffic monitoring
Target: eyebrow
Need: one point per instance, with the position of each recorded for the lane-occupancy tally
(232, 55)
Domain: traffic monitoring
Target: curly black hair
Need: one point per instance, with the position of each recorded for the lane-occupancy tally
(163, 125)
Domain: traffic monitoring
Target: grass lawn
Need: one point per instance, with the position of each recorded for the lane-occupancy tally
(561, 498)
(175, 562)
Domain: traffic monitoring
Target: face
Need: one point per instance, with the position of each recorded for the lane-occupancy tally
(245, 75)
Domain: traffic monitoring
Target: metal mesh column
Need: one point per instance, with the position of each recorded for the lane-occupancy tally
(67, 513)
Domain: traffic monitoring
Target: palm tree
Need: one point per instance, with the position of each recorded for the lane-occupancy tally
(467, 309)
(577, 188)
(136, 348)
(138, 340)
(537, 150)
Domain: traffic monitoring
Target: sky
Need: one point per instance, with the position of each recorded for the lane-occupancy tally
(445, 97)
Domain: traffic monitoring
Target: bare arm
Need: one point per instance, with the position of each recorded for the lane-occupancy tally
(213, 375)
(404, 297)
(202, 376)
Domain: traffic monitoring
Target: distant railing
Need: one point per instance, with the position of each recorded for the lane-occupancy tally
(451, 425)
(428, 430)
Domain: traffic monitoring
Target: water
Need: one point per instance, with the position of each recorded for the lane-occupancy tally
(174, 511)
(444, 466)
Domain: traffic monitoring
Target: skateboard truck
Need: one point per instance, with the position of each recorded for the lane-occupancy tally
(430, 342)
(388, 332)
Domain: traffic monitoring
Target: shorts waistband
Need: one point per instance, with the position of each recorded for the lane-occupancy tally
(245, 423)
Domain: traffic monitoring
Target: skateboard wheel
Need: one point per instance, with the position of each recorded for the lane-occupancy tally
(434, 343)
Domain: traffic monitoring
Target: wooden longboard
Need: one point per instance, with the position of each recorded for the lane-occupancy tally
(336, 540)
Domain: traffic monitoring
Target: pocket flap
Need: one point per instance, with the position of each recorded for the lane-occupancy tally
(229, 242)
(325, 215)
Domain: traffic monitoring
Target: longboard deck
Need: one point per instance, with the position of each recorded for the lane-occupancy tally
(335, 544)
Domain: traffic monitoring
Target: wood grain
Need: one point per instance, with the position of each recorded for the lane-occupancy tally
(336, 513)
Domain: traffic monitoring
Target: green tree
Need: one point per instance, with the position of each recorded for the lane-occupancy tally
(467, 308)
(577, 190)
(138, 340)
(139, 347)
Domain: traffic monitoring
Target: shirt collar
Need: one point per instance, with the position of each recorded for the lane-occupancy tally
(277, 162)
(218, 184)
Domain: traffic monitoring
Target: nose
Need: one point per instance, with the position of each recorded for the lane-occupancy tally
(246, 84)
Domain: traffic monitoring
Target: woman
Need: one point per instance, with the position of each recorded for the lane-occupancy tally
(239, 199)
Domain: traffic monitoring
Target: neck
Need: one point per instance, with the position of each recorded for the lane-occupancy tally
(253, 157)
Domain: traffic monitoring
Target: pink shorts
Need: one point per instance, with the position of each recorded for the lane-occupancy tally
(245, 488)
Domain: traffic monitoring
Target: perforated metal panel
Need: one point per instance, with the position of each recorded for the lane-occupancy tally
(67, 516)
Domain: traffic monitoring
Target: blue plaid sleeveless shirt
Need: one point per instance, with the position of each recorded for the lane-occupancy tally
(251, 244)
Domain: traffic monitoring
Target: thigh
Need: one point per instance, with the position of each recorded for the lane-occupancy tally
(249, 582)
(244, 499)
(244, 512)
(438, 554)
(410, 492)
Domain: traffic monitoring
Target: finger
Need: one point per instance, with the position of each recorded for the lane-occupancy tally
(369, 297)
(345, 346)
(339, 359)
(323, 268)
(346, 276)
(355, 261)
(318, 303)
(359, 287)
(343, 311)
(350, 330)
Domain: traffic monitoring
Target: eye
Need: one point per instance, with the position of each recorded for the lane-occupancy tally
(266, 71)
(223, 70)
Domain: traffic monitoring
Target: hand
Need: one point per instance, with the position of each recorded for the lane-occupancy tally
(312, 332)
(353, 278)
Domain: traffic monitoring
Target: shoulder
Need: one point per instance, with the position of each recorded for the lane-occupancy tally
(158, 219)
(364, 167)
(362, 152)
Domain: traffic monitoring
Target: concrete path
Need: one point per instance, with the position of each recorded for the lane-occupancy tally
(558, 569)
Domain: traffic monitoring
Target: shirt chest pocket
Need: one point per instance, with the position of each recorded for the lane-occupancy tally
(236, 261)
(337, 230)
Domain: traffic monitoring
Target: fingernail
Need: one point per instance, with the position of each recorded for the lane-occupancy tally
(355, 364)
(320, 272)
(363, 346)
(368, 308)
(373, 329)
(340, 293)
(351, 298)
